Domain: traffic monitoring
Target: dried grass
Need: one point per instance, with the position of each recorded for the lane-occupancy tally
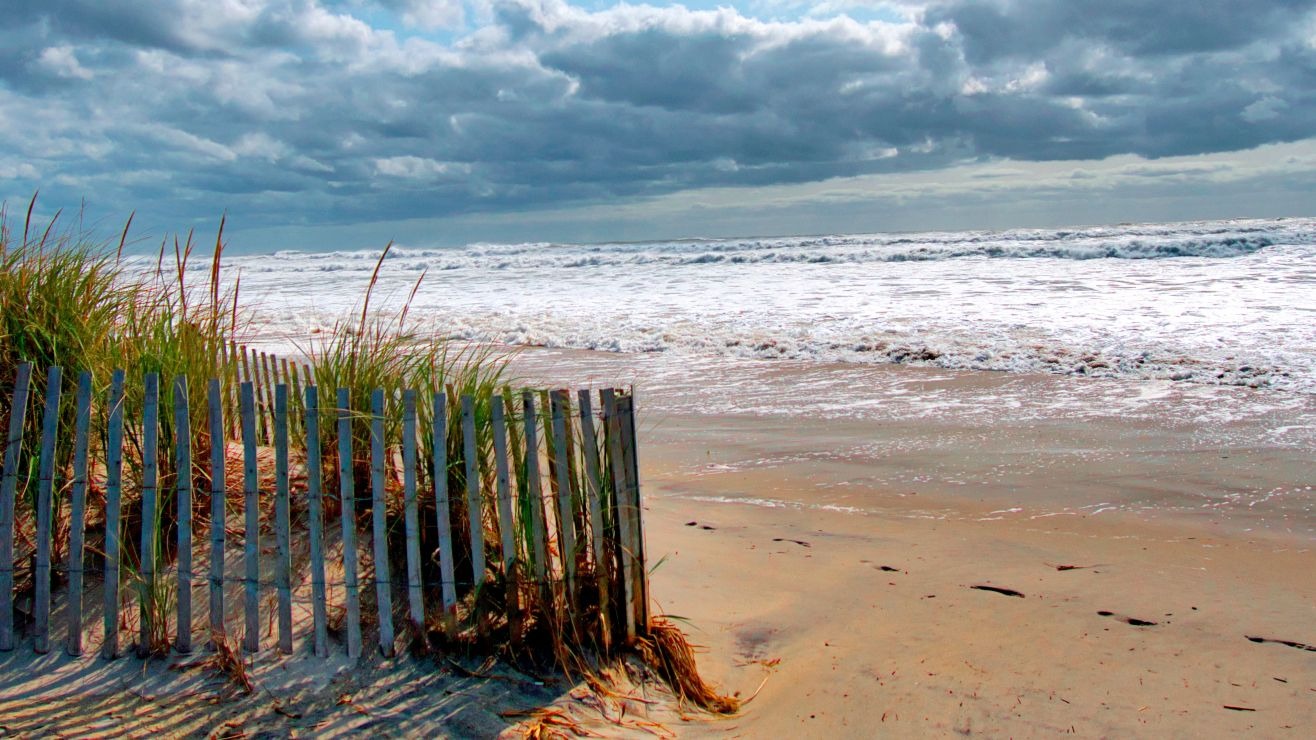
(227, 661)
(666, 649)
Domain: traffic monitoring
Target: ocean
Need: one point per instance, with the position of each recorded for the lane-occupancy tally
(1209, 302)
(1186, 349)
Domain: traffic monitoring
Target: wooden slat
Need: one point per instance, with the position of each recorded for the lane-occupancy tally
(183, 500)
(296, 407)
(506, 525)
(533, 488)
(282, 524)
(218, 495)
(471, 455)
(347, 492)
(443, 510)
(78, 514)
(237, 402)
(251, 532)
(617, 463)
(639, 579)
(45, 489)
(229, 383)
(8, 489)
(315, 517)
(593, 487)
(562, 470)
(148, 544)
(264, 396)
(113, 491)
(415, 588)
(383, 587)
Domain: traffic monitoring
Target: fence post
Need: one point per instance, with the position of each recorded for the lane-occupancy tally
(150, 478)
(183, 468)
(640, 579)
(534, 490)
(383, 590)
(78, 515)
(315, 513)
(506, 526)
(251, 532)
(415, 596)
(347, 491)
(283, 568)
(8, 489)
(565, 520)
(618, 497)
(45, 491)
(265, 397)
(593, 486)
(443, 510)
(471, 453)
(218, 494)
(113, 490)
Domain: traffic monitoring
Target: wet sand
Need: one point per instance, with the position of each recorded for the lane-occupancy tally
(1130, 541)
(866, 621)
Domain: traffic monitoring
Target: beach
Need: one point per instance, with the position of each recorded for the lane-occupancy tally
(838, 563)
(949, 553)
(1006, 483)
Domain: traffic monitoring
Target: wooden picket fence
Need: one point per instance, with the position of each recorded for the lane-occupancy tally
(569, 554)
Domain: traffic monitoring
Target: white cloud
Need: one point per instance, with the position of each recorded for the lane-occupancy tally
(1265, 109)
(416, 168)
(62, 61)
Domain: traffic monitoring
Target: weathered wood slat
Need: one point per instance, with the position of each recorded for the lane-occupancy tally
(443, 510)
(8, 489)
(473, 513)
(506, 525)
(218, 495)
(251, 530)
(265, 397)
(183, 500)
(45, 488)
(315, 521)
(282, 523)
(296, 406)
(45, 492)
(623, 519)
(415, 587)
(538, 535)
(347, 493)
(633, 507)
(113, 491)
(148, 548)
(383, 586)
(78, 513)
(593, 487)
(562, 470)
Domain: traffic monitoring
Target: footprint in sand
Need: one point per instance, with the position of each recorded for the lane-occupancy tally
(1129, 620)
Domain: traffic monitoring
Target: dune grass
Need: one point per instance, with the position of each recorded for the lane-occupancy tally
(72, 300)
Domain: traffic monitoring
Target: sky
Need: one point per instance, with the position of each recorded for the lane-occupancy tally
(318, 124)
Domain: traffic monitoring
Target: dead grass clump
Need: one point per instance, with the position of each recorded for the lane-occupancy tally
(546, 723)
(666, 649)
(227, 662)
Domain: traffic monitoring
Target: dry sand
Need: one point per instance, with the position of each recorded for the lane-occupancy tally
(870, 623)
(830, 563)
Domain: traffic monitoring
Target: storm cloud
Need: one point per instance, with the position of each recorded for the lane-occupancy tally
(286, 112)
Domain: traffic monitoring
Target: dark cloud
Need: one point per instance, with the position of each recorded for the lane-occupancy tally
(291, 111)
